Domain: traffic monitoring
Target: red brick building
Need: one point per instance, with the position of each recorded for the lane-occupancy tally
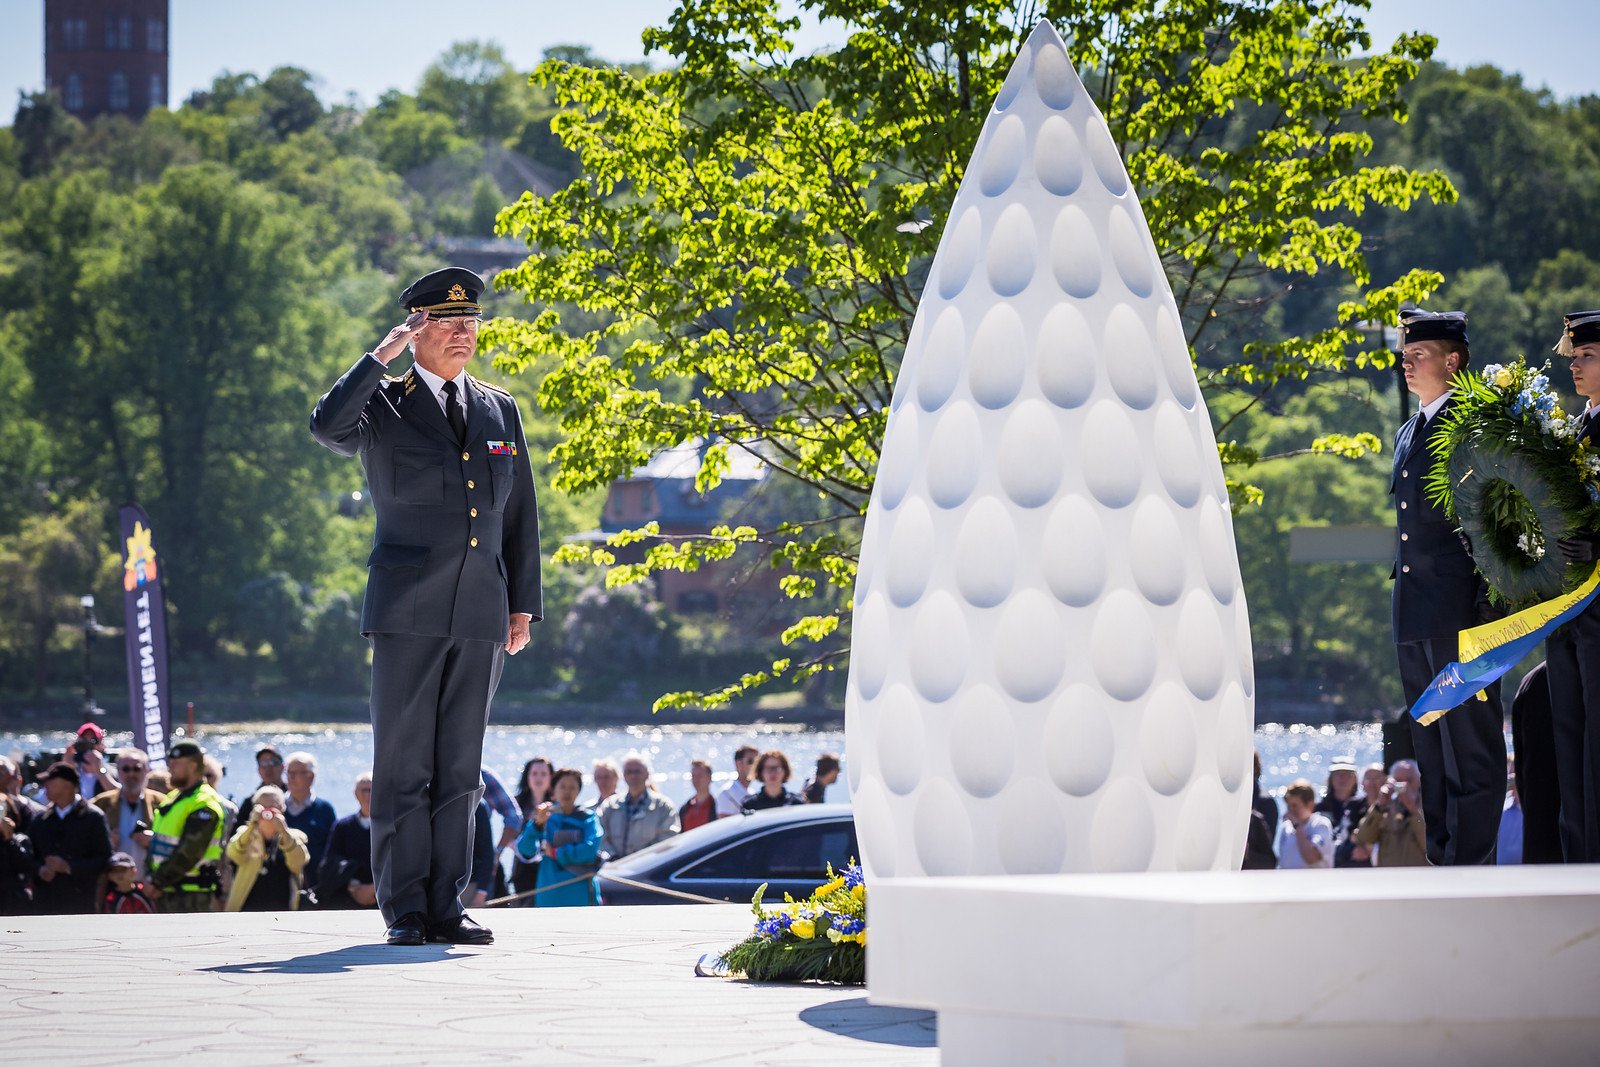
(106, 57)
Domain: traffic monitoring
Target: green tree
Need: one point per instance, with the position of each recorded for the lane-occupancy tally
(476, 86)
(195, 345)
(49, 562)
(738, 225)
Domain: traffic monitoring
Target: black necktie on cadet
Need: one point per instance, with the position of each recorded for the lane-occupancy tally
(458, 421)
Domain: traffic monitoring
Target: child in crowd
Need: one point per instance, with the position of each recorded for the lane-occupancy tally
(124, 892)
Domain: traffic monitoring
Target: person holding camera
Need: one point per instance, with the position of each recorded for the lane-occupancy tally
(1305, 837)
(89, 753)
(270, 856)
(1394, 820)
(130, 808)
(567, 838)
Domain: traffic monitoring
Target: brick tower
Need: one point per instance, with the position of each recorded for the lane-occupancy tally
(106, 57)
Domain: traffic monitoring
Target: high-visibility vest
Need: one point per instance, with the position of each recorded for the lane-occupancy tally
(167, 831)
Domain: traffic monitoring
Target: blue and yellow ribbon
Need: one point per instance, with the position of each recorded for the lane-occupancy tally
(1490, 650)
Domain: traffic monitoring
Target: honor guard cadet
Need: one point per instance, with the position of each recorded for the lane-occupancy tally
(1437, 594)
(452, 586)
(1572, 652)
(188, 829)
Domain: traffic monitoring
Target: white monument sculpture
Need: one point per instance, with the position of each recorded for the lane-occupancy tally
(1050, 664)
(1050, 676)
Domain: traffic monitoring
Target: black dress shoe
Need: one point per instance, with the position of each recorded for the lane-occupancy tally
(410, 929)
(459, 931)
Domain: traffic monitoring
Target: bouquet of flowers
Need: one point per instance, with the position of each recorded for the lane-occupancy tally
(1513, 476)
(821, 938)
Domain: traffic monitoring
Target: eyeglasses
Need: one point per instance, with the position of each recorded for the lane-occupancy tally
(463, 322)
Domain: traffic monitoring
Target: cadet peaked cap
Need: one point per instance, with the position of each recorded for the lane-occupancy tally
(62, 770)
(451, 293)
(1581, 327)
(1419, 325)
(185, 748)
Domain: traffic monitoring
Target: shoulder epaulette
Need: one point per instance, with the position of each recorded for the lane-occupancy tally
(491, 388)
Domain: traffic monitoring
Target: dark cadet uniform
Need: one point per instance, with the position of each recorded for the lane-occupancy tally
(1572, 658)
(1437, 594)
(455, 553)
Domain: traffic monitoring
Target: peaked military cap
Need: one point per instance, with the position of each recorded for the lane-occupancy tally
(451, 293)
(1578, 328)
(1418, 325)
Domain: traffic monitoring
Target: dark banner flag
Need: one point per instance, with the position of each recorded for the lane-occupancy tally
(145, 609)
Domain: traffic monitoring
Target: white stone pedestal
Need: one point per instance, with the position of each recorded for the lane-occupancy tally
(1418, 966)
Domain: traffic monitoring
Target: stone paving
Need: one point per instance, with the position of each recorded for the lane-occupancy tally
(572, 985)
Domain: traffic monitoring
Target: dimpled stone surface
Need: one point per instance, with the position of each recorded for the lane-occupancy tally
(1064, 357)
(1003, 159)
(1075, 252)
(965, 243)
(986, 554)
(910, 560)
(955, 456)
(1012, 251)
(983, 743)
(1030, 646)
(1061, 679)
(1058, 156)
(998, 363)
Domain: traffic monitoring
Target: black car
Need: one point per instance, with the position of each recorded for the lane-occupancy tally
(728, 859)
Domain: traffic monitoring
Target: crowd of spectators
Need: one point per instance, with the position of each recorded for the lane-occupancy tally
(64, 850)
(281, 847)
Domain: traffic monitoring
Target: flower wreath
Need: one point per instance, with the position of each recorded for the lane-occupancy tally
(1511, 473)
(822, 938)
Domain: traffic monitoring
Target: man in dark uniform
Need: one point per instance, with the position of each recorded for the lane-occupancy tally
(71, 846)
(1437, 594)
(1572, 653)
(452, 585)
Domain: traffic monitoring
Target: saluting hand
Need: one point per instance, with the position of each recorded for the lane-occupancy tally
(395, 343)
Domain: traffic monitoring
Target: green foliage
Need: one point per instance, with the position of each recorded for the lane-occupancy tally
(737, 226)
(822, 938)
(49, 562)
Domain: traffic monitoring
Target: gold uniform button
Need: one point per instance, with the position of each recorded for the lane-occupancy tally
(471, 484)
(474, 512)
(466, 456)
(475, 545)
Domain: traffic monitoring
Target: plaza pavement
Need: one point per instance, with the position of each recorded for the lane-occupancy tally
(611, 986)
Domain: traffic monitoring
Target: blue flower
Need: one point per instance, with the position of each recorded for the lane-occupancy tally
(1594, 493)
(852, 876)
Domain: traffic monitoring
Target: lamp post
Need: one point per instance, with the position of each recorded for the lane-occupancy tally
(91, 626)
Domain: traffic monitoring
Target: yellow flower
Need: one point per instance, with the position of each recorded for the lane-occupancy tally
(804, 929)
(1502, 378)
(859, 892)
(835, 936)
(832, 887)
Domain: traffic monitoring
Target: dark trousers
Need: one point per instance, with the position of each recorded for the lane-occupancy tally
(1533, 738)
(1462, 758)
(1572, 658)
(430, 706)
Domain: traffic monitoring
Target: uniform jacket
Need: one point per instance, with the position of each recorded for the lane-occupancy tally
(83, 841)
(456, 549)
(1436, 589)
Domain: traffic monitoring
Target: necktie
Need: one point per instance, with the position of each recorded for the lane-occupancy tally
(458, 421)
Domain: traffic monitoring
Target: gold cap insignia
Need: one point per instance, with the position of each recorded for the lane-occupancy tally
(456, 293)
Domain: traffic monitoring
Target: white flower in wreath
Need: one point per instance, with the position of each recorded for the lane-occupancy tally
(1531, 546)
(1591, 463)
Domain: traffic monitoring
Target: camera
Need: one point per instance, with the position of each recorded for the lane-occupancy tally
(81, 748)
